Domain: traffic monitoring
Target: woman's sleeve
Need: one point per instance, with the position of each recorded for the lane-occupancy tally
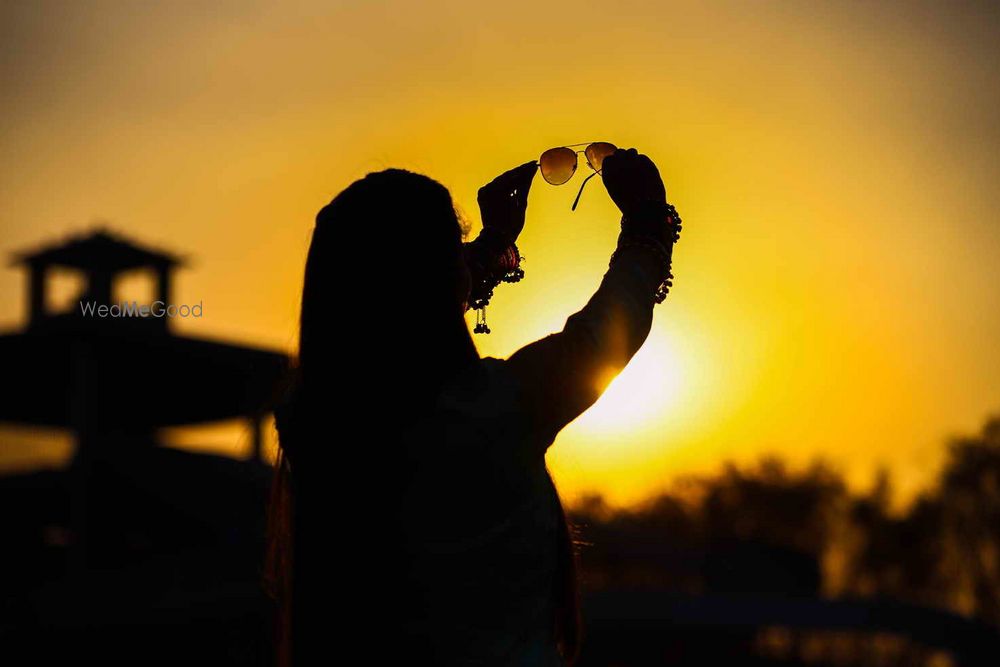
(564, 373)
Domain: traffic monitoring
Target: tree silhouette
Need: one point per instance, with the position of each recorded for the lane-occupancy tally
(768, 530)
(970, 500)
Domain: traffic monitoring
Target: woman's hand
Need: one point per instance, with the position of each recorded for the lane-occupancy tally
(633, 182)
(635, 186)
(503, 202)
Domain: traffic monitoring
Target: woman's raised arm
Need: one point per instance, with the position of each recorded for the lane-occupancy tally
(493, 256)
(563, 374)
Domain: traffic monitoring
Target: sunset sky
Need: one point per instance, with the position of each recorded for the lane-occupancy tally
(836, 166)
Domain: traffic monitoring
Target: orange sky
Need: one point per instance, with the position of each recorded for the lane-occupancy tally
(838, 282)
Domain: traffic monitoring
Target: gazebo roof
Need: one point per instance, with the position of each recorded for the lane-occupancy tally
(99, 249)
(132, 380)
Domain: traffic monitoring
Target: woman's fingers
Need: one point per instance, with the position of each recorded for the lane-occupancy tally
(507, 183)
(632, 178)
(654, 183)
(504, 200)
(512, 184)
(524, 176)
(519, 177)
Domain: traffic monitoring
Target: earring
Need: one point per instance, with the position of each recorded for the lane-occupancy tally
(481, 327)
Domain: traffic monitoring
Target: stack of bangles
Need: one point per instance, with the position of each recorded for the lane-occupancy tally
(657, 228)
(489, 265)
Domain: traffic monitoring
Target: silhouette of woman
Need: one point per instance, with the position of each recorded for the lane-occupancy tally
(412, 518)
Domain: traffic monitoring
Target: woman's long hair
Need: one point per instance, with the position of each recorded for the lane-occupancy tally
(385, 271)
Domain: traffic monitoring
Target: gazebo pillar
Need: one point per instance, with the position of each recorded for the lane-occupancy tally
(36, 292)
(256, 422)
(163, 284)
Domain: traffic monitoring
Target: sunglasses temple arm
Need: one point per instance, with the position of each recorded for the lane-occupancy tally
(577, 200)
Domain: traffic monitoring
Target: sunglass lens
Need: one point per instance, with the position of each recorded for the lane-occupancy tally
(596, 152)
(558, 165)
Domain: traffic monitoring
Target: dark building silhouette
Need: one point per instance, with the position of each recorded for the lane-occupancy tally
(116, 553)
(105, 376)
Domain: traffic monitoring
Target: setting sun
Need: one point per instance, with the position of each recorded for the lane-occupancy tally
(645, 393)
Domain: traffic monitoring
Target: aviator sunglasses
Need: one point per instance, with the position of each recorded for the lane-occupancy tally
(559, 164)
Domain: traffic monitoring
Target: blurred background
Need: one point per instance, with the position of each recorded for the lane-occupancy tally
(800, 465)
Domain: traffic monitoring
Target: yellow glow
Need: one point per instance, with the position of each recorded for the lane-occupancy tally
(645, 392)
(835, 165)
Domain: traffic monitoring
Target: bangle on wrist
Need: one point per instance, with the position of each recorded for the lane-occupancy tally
(655, 227)
(489, 269)
(493, 240)
(653, 218)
